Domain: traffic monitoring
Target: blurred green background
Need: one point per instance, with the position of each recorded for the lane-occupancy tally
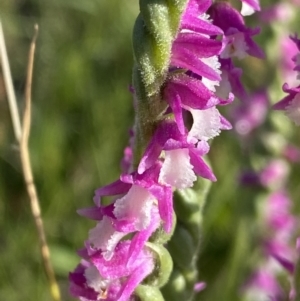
(82, 112)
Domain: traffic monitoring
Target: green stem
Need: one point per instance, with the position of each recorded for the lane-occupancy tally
(154, 32)
(185, 244)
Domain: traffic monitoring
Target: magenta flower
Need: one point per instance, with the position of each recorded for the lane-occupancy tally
(287, 65)
(238, 38)
(237, 42)
(81, 285)
(192, 51)
(117, 269)
(182, 160)
(116, 266)
(290, 104)
(195, 51)
(146, 188)
(194, 48)
(113, 280)
(231, 81)
(195, 18)
(187, 93)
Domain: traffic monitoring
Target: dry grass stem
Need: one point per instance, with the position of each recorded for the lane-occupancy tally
(28, 176)
(9, 88)
(22, 135)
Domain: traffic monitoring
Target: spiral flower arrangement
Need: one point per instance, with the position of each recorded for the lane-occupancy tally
(146, 240)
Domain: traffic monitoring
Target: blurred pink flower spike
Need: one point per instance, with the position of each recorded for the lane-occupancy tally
(199, 286)
(274, 174)
(278, 12)
(292, 153)
(250, 113)
(263, 285)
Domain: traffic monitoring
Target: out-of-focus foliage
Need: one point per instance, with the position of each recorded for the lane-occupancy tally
(82, 112)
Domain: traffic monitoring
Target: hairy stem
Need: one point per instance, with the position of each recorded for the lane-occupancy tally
(154, 32)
